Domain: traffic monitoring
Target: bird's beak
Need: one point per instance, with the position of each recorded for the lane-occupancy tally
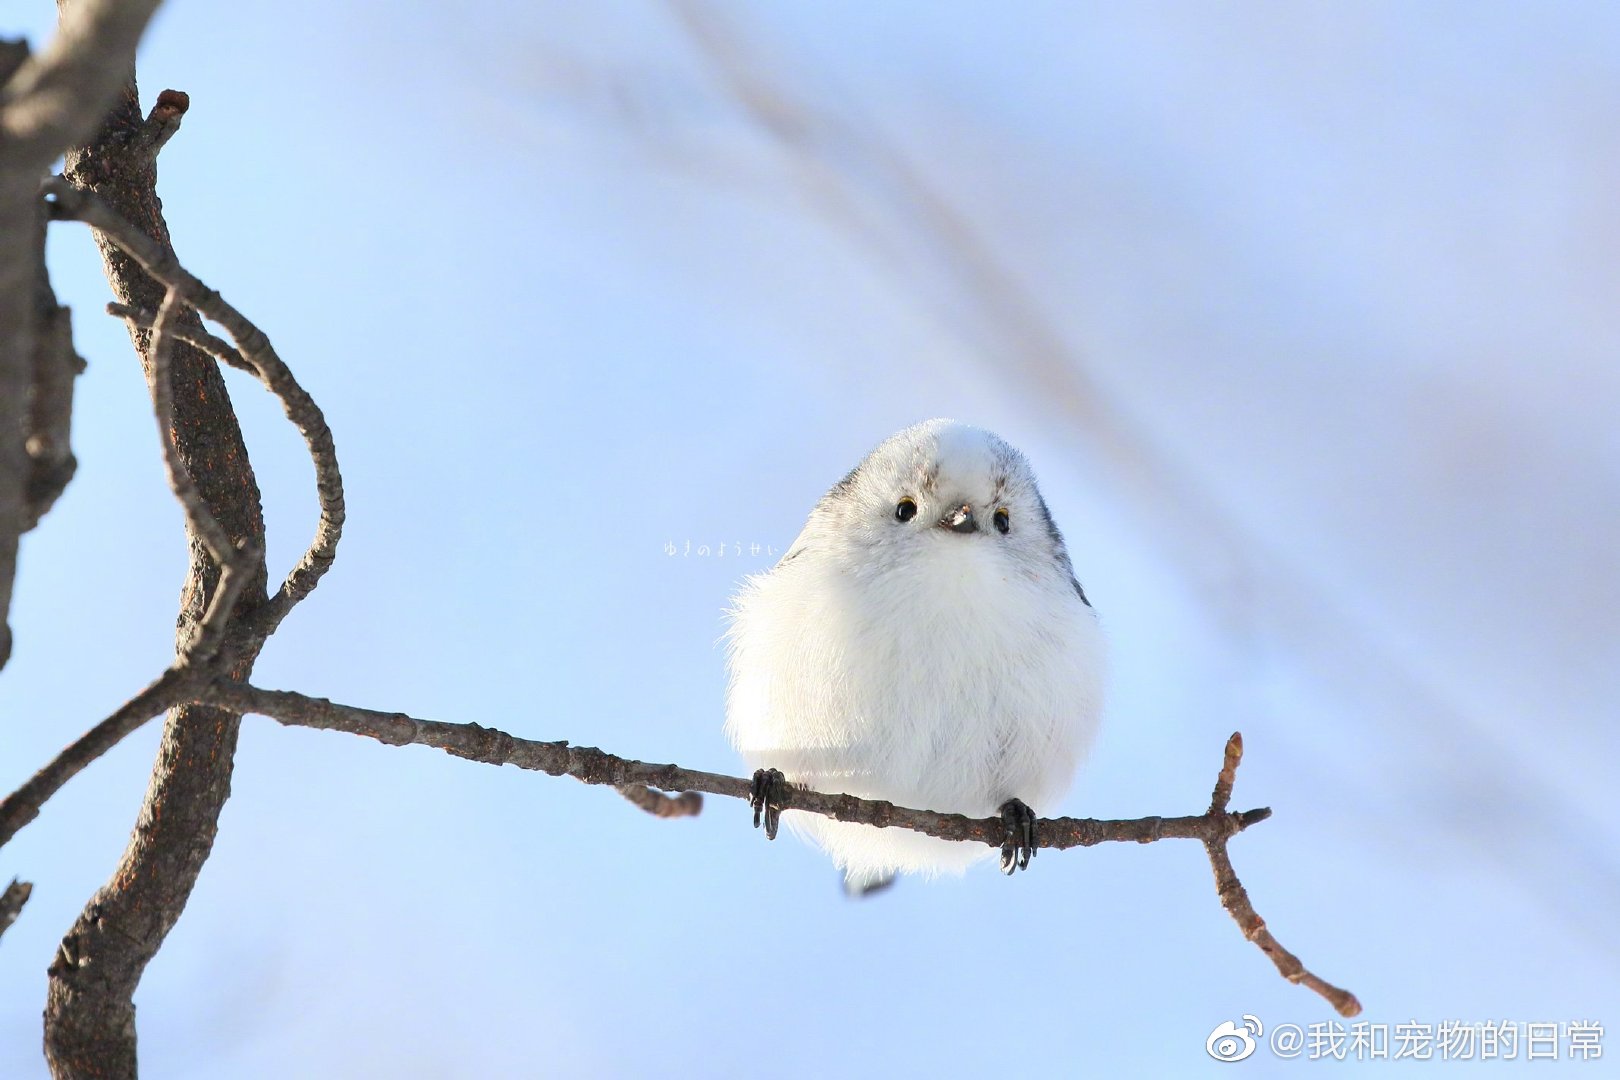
(960, 520)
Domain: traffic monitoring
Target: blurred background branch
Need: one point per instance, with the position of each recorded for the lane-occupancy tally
(12, 901)
(47, 102)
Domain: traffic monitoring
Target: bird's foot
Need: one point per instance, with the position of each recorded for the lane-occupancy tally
(1019, 847)
(766, 799)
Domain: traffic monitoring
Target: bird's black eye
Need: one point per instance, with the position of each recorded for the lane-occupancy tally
(907, 509)
(1003, 521)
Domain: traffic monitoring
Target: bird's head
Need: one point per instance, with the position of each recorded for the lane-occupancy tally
(945, 486)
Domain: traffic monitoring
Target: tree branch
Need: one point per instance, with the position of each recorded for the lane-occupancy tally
(1235, 898)
(48, 440)
(235, 566)
(161, 123)
(592, 766)
(217, 347)
(1214, 827)
(22, 806)
(46, 103)
(644, 785)
(253, 351)
(89, 1011)
(56, 98)
(12, 901)
(175, 685)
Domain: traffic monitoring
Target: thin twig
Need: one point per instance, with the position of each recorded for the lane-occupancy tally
(161, 123)
(235, 566)
(643, 784)
(592, 766)
(55, 98)
(1235, 898)
(71, 203)
(217, 347)
(22, 806)
(1214, 828)
(175, 685)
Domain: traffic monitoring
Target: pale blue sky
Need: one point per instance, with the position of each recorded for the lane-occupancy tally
(1321, 389)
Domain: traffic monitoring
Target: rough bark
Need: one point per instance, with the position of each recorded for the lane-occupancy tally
(89, 1014)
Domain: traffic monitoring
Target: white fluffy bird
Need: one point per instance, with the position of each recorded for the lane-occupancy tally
(923, 641)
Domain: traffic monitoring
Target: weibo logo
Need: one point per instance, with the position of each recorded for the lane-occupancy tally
(1229, 1042)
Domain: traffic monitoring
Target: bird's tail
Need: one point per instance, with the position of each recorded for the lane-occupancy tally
(859, 884)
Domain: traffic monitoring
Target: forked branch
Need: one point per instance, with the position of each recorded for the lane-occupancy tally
(253, 352)
(1214, 827)
(1235, 898)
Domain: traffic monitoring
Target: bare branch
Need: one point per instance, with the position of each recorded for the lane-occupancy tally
(644, 785)
(49, 443)
(12, 901)
(37, 370)
(89, 1008)
(1235, 898)
(176, 684)
(235, 566)
(55, 366)
(1214, 828)
(55, 99)
(161, 123)
(46, 103)
(71, 203)
(217, 347)
(592, 766)
(22, 805)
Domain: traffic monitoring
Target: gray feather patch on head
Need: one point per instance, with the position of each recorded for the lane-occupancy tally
(918, 463)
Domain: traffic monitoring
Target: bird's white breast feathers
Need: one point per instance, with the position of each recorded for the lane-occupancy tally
(948, 680)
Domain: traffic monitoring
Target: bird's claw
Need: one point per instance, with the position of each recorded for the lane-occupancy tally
(1019, 847)
(765, 797)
